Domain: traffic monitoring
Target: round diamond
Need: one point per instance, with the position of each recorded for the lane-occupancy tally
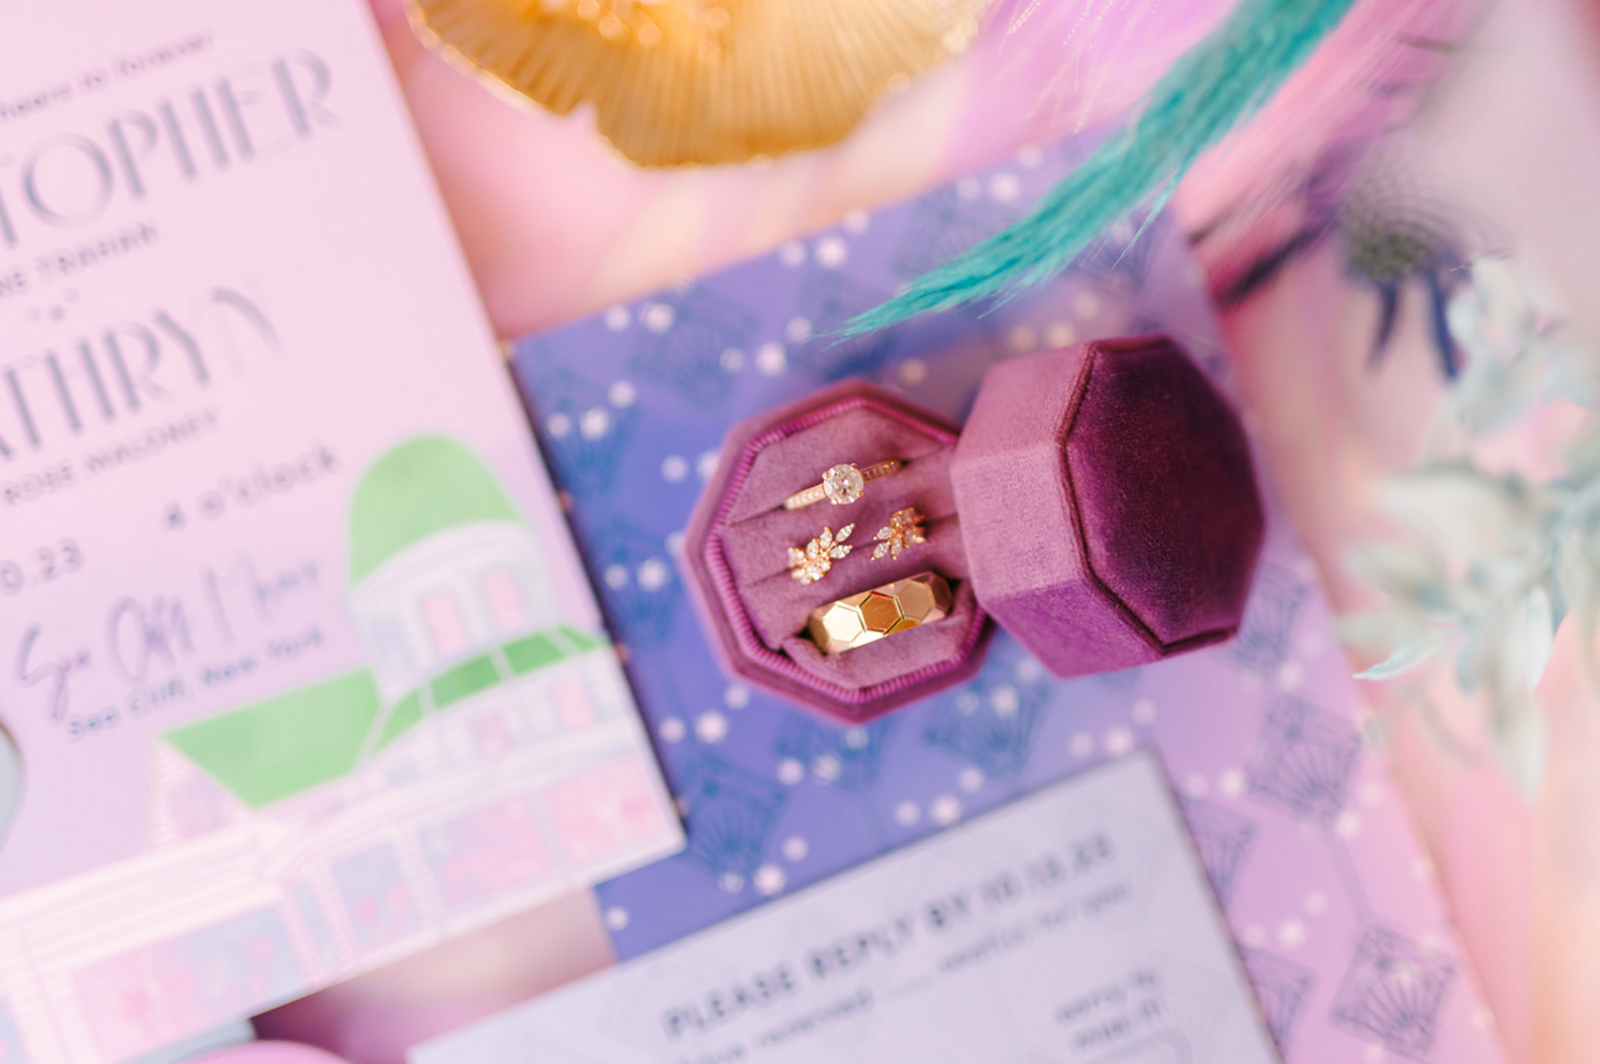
(843, 484)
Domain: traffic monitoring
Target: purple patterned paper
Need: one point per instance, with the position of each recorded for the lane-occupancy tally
(1309, 846)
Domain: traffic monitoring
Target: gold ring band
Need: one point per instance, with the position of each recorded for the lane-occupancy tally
(867, 617)
(843, 484)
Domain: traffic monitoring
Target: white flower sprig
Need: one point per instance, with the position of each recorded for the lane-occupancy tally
(1498, 560)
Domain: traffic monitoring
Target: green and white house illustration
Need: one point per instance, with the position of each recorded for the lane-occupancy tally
(449, 590)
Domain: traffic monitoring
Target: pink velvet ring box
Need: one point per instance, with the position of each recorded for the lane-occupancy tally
(1100, 505)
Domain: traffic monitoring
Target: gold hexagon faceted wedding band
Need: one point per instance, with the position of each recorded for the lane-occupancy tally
(869, 616)
(843, 484)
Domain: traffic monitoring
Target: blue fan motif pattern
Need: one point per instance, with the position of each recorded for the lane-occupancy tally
(848, 758)
(1122, 256)
(1393, 993)
(1223, 839)
(684, 342)
(1123, 680)
(1281, 987)
(1305, 761)
(583, 430)
(730, 815)
(1275, 601)
(828, 299)
(636, 579)
(945, 223)
(990, 724)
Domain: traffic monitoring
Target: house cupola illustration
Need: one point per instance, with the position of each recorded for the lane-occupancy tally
(442, 568)
(449, 590)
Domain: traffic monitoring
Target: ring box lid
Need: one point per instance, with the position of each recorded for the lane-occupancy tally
(1109, 504)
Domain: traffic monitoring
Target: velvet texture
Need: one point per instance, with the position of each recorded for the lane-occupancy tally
(736, 548)
(1101, 505)
(1110, 505)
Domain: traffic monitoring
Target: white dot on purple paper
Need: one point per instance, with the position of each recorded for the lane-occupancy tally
(1060, 334)
(1005, 701)
(857, 220)
(792, 253)
(653, 574)
(1082, 745)
(827, 767)
(771, 359)
(674, 543)
(736, 696)
(798, 330)
(1289, 676)
(1004, 187)
(1118, 741)
(1086, 305)
(711, 727)
(1196, 786)
(622, 394)
(1029, 156)
(913, 371)
(732, 360)
(770, 879)
(790, 771)
(616, 577)
(832, 252)
(1348, 825)
(618, 318)
(795, 848)
(616, 918)
(856, 738)
(732, 882)
(970, 779)
(945, 810)
(1144, 711)
(674, 467)
(558, 425)
(672, 730)
(1291, 934)
(906, 814)
(1231, 783)
(595, 423)
(706, 464)
(1316, 903)
(969, 188)
(657, 317)
(1022, 338)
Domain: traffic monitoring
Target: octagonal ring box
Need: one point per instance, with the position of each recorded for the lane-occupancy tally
(1100, 505)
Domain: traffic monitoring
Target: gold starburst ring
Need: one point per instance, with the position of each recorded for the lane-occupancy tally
(903, 532)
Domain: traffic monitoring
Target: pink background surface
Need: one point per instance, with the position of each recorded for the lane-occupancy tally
(555, 225)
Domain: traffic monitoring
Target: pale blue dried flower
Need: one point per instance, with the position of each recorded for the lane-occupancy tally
(1497, 561)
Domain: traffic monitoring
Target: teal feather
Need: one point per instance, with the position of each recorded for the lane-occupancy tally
(1211, 89)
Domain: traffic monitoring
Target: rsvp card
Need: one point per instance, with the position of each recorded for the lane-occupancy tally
(1075, 926)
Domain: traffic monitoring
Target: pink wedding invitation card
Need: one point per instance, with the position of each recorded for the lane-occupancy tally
(298, 668)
